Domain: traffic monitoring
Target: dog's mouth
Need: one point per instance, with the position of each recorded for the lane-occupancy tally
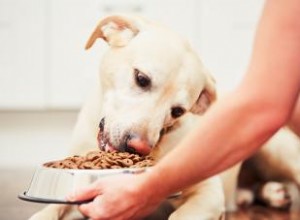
(104, 143)
(103, 140)
(131, 142)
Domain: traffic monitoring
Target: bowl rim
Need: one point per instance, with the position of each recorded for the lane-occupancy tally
(23, 196)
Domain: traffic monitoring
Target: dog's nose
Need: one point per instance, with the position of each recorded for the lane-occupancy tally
(136, 144)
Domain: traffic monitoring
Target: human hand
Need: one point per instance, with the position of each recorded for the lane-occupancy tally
(118, 197)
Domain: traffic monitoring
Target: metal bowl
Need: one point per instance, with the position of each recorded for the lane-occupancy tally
(52, 185)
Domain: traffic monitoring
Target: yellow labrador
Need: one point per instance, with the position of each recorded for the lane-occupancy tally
(152, 86)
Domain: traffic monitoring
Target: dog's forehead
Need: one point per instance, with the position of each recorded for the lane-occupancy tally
(160, 40)
(163, 52)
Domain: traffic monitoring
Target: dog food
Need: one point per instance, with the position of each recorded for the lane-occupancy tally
(103, 160)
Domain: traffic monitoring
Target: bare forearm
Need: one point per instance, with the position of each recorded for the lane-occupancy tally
(235, 128)
(294, 122)
(229, 133)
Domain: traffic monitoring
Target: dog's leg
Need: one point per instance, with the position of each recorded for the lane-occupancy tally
(52, 212)
(280, 157)
(205, 202)
(84, 139)
(244, 197)
(229, 179)
(295, 169)
(274, 194)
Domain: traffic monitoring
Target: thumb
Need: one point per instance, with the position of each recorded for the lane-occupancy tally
(86, 193)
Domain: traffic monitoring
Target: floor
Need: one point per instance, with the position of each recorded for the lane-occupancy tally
(261, 213)
(13, 182)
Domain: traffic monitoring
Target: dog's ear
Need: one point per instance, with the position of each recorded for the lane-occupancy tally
(116, 30)
(207, 96)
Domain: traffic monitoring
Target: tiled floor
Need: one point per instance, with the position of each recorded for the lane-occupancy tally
(13, 182)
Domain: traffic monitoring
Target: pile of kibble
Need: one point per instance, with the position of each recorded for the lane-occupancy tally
(103, 160)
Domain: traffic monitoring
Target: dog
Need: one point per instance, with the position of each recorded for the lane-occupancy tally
(152, 89)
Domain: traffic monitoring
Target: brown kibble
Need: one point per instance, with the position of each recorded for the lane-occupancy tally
(49, 164)
(69, 164)
(124, 155)
(87, 165)
(103, 160)
(105, 165)
(111, 161)
(79, 161)
(93, 155)
(97, 161)
(126, 162)
(135, 159)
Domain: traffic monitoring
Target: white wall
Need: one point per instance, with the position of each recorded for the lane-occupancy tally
(45, 73)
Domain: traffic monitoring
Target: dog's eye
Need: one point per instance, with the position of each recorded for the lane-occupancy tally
(177, 112)
(141, 79)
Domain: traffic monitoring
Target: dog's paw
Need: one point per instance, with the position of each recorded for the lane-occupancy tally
(275, 195)
(244, 197)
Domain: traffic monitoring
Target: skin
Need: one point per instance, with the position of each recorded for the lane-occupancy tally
(294, 122)
(265, 100)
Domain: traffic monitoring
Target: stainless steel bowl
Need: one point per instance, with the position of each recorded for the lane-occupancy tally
(52, 185)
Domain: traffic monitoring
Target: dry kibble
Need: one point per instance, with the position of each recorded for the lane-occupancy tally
(126, 162)
(93, 155)
(87, 165)
(111, 160)
(102, 160)
(70, 163)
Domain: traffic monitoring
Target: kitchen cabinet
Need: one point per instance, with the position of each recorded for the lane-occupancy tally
(22, 51)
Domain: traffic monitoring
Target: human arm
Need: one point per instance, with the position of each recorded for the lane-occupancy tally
(233, 129)
(294, 122)
(237, 125)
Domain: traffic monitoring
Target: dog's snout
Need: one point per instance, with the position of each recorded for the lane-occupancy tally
(137, 144)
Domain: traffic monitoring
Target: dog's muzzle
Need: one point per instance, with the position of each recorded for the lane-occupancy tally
(135, 144)
(131, 142)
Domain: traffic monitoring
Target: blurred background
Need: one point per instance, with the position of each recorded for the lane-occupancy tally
(45, 73)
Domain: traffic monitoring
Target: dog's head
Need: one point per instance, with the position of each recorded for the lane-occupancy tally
(150, 78)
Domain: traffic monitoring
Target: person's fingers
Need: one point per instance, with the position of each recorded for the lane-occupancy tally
(85, 193)
(93, 209)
